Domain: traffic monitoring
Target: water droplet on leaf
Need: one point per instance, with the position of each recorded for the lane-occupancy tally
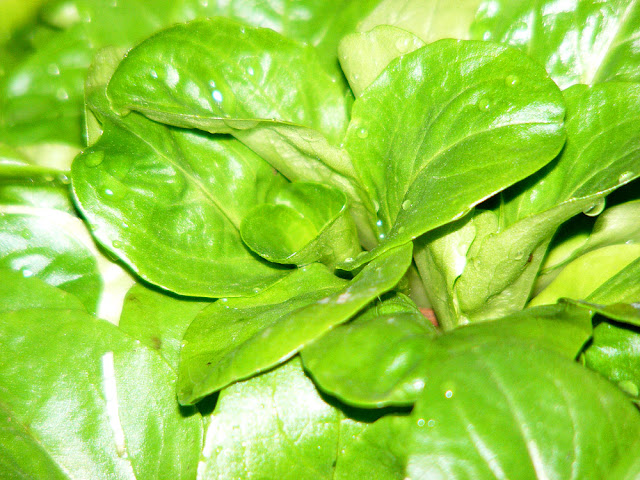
(511, 80)
(484, 105)
(595, 209)
(406, 205)
(117, 244)
(421, 422)
(93, 159)
(362, 132)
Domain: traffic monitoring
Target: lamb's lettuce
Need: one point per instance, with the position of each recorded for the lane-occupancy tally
(337, 220)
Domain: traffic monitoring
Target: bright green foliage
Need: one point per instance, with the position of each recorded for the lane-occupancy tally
(360, 240)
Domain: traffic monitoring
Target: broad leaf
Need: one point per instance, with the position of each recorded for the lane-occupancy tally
(70, 396)
(231, 341)
(43, 93)
(303, 223)
(586, 41)
(156, 196)
(237, 79)
(614, 354)
(510, 241)
(56, 247)
(382, 359)
(516, 412)
(276, 425)
(497, 120)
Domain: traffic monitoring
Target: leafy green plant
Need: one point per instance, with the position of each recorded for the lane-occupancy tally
(300, 240)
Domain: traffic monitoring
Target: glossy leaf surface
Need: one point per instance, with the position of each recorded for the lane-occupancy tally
(230, 341)
(383, 359)
(303, 223)
(157, 195)
(509, 243)
(516, 413)
(245, 91)
(70, 393)
(614, 354)
(56, 247)
(459, 144)
(277, 425)
(588, 41)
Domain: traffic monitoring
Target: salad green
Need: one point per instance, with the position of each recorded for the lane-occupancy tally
(278, 239)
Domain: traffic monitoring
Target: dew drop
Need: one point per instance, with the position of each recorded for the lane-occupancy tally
(484, 105)
(625, 176)
(116, 244)
(217, 95)
(595, 209)
(448, 393)
(250, 71)
(519, 255)
(382, 236)
(93, 159)
(431, 423)
(512, 80)
(421, 422)
(406, 205)
(64, 179)
(379, 224)
(363, 132)
(376, 206)
(62, 95)
(113, 189)
(53, 69)
(153, 74)
(26, 272)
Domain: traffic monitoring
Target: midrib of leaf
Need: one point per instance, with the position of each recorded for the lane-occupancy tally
(37, 441)
(613, 42)
(576, 444)
(191, 176)
(519, 420)
(481, 447)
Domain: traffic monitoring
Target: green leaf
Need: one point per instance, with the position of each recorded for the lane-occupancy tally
(614, 354)
(70, 396)
(371, 362)
(383, 358)
(502, 411)
(581, 42)
(234, 340)
(276, 425)
(56, 247)
(601, 155)
(617, 297)
(583, 276)
(43, 93)
(303, 223)
(175, 79)
(430, 20)
(157, 195)
(158, 320)
(363, 56)
(498, 120)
